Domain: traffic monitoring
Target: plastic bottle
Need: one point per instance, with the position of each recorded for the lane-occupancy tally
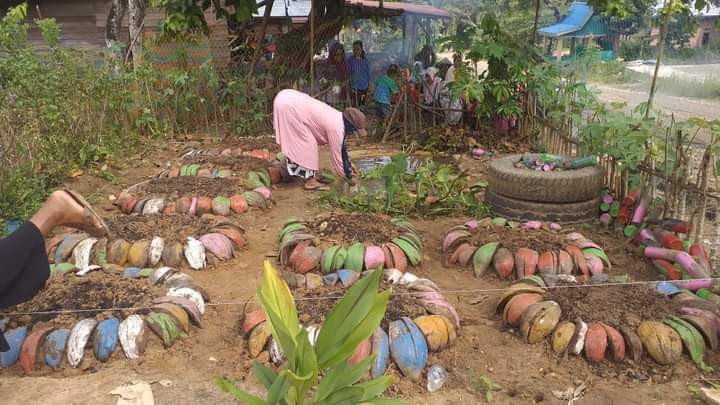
(436, 378)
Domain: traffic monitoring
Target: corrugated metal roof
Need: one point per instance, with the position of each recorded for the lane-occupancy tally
(301, 8)
(578, 15)
(596, 27)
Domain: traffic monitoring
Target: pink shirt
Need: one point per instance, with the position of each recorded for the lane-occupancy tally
(302, 123)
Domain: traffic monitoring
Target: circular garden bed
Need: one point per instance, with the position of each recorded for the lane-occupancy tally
(76, 318)
(352, 242)
(613, 326)
(515, 250)
(419, 323)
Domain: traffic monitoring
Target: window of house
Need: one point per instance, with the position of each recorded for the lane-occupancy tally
(705, 39)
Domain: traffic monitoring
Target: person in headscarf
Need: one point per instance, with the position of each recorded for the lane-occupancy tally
(431, 86)
(417, 73)
(336, 75)
(302, 123)
(359, 74)
(337, 63)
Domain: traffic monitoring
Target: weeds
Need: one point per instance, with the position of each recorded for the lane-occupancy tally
(485, 387)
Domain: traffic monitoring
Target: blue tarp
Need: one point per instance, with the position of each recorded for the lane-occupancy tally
(578, 15)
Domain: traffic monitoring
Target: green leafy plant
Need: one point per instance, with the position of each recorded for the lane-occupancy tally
(319, 374)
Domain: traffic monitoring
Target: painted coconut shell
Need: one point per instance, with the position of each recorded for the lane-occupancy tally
(182, 206)
(128, 205)
(562, 335)
(195, 253)
(361, 352)
(547, 263)
(381, 348)
(173, 255)
(170, 209)
(252, 319)
(517, 288)
(595, 343)
(464, 254)
(263, 191)
(258, 339)
(483, 256)
(580, 262)
(275, 174)
(394, 257)
(308, 259)
(78, 339)
(355, 258)
(539, 320)
(176, 312)
(218, 244)
(106, 339)
(633, 344)
(191, 294)
(348, 277)
(503, 262)
(66, 247)
(412, 253)
(313, 280)
(517, 305)
(441, 307)
(204, 206)
(221, 206)
(154, 206)
(82, 253)
(660, 341)
(54, 347)
(297, 252)
(438, 330)
(328, 259)
(277, 356)
(454, 239)
(140, 205)
(189, 306)
(577, 343)
(131, 333)
(255, 199)
(528, 259)
(616, 343)
(565, 263)
(330, 279)
(139, 253)
(374, 257)
(236, 236)
(164, 326)
(707, 329)
(408, 348)
(157, 245)
(29, 349)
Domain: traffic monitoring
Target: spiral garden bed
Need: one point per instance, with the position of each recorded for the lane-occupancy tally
(98, 313)
(419, 323)
(140, 244)
(635, 327)
(349, 242)
(524, 250)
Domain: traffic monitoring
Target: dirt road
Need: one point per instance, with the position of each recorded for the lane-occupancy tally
(682, 107)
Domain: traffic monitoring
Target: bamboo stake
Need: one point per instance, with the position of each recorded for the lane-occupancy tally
(312, 48)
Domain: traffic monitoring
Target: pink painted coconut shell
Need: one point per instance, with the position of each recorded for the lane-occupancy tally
(374, 257)
(218, 244)
(264, 191)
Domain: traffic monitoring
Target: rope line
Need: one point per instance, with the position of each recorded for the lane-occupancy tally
(480, 291)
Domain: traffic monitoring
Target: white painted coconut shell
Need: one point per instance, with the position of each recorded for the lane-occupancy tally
(158, 274)
(154, 206)
(393, 276)
(407, 278)
(313, 332)
(81, 253)
(157, 244)
(276, 352)
(195, 253)
(578, 341)
(78, 339)
(131, 333)
(190, 294)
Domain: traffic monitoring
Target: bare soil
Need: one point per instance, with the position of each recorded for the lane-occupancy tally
(175, 187)
(347, 229)
(168, 227)
(240, 164)
(540, 240)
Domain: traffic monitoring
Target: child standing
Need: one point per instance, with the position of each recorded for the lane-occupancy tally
(359, 74)
(385, 89)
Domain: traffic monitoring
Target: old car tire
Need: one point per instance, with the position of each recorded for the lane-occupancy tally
(519, 210)
(555, 186)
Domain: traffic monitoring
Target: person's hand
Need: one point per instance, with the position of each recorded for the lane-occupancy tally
(355, 172)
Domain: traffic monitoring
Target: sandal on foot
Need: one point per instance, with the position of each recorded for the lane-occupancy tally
(92, 222)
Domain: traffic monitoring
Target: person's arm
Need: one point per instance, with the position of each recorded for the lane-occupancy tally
(339, 155)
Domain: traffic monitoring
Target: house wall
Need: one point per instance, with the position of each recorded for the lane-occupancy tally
(706, 24)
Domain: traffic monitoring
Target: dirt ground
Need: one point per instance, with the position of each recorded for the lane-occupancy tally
(484, 350)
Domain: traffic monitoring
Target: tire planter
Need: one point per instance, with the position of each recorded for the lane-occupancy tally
(521, 210)
(299, 250)
(80, 252)
(170, 318)
(694, 329)
(548, 187)
(406, 341)
(578, 259)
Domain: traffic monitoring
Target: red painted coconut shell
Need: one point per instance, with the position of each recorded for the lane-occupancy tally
(529, 260)
(234, 235)
(516, 307)
(503, 262)
(580, 263)
(465, 253)
(565, 263)
(546, 263)
(397, 257)
(297, 251)
(238, 204)
(28, 352)
(596, 342)
(174, 172)
(129, 204)
(252, 319)
(616, 343)
(308, 260)
(361, 352)
(275, 174)
(204, 206)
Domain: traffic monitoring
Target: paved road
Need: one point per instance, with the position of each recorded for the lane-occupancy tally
(682, 107)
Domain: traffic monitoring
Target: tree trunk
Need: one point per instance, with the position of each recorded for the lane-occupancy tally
(113, 27)
(660, 50)
(535, 23)
(263, 31)
(136, 16)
